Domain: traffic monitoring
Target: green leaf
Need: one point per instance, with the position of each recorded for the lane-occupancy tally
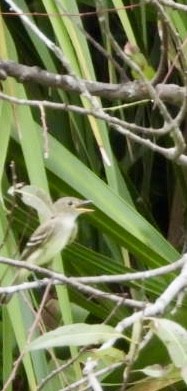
(174, 338)
(156, 370)
(79, 334)
(153, 384)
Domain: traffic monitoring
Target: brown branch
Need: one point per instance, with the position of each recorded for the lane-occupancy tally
(128, 92)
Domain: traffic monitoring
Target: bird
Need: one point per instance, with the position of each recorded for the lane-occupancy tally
(56, 232)
(53, 235)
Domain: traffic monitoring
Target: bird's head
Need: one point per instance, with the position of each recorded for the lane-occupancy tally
(72, 204)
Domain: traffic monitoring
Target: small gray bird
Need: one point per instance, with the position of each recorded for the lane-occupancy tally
(54, 234)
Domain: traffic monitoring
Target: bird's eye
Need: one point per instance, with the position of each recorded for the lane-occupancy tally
(70, 203)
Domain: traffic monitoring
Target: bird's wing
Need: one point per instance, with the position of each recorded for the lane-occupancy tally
(42, 235)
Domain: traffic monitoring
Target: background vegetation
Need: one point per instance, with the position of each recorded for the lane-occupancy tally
(120, 144)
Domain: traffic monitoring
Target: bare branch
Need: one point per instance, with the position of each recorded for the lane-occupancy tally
(157, 308)
(109, 368)
(118, 278)
(57, 278)
(128, 92)
(172, 4)
(89, 373)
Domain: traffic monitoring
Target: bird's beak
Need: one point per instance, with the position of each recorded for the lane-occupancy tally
(82, 204)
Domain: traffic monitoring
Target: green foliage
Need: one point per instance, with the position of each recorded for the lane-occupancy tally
(79, 334)
(66, 159)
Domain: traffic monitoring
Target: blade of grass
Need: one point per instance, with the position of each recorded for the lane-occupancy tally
(75, 48)
(120, 9)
